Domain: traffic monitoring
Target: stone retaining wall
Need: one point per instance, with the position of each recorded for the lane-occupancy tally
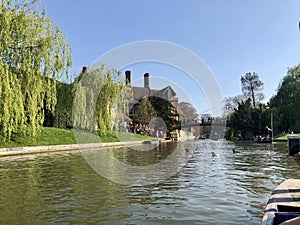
(55, 148)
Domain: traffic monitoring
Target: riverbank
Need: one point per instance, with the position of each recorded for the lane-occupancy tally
(284, 138)
(54, 139)
(59, 136)
(11, 151)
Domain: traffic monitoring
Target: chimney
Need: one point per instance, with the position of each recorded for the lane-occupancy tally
(84, 69)
(128, 77)
(146, 80)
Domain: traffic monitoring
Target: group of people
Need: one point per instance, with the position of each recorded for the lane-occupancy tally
(265, 137)
(259, 138)
(290, 131)
(143, 129)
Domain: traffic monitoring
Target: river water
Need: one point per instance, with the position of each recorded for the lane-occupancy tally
(62, 188)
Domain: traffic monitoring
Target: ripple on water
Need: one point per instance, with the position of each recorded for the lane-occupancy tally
(230, 189)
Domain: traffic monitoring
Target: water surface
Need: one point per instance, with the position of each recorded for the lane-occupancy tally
(62, 188)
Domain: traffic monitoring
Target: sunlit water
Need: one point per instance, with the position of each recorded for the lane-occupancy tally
(61, 188)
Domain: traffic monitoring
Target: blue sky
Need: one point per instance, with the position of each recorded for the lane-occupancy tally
(232, 37)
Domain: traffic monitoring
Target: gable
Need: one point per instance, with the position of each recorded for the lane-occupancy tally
(166, 93)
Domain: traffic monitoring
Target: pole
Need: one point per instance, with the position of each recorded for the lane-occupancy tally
(272, 126)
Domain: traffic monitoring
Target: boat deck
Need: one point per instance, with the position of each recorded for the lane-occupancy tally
(285, 194)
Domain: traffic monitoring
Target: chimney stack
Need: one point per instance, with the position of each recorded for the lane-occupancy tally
(146, 80)
(128, 77)
(84, 69)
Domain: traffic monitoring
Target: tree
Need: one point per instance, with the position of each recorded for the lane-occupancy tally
(230, 103)
(251, 85)
(188, 115)
(34, 53)
(165, 110)
(62, 116)
(285, 104)
(241, 118)
(187, 111)
(249, 121)
(145, 112)
(99, 101)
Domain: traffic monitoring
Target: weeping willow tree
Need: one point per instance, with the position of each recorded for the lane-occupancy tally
(34, 53)
(100, 101)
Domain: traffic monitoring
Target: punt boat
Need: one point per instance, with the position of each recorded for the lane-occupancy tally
(283, 207)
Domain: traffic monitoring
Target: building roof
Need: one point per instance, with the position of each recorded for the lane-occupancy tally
(141, 92)
(166, 93)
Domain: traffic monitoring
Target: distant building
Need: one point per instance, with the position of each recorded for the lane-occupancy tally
(138, 93)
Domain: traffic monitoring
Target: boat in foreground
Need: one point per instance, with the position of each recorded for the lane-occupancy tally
(283, 207)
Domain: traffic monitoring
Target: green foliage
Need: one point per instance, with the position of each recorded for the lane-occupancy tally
(165, 110)
(63, 108)
(33, 54)
(248, 116)
(241, 118)
(11, 105)
(99, 101)
(286, 103)
(144, 112)
(249, 120)
(157, 112)
(284, 106)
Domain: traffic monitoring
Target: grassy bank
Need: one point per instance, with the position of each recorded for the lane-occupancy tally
(284, 137)
(56, 136)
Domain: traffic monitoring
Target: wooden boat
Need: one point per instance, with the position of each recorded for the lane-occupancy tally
(283, 207)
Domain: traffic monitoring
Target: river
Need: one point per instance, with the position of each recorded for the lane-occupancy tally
(228, 189)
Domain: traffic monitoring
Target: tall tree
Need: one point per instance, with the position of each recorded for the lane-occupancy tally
(242, 119)
(251, 87)
(286, 103)
(99, 101)
(145, 112)
(33, 54)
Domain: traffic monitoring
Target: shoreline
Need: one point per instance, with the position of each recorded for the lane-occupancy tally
(12, 151)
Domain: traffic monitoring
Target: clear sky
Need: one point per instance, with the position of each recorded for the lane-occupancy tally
(232, 37)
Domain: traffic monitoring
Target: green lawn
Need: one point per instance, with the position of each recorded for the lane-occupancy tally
(56, 136)
(284, 137)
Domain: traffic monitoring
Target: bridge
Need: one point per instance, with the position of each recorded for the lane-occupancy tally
(197, 123)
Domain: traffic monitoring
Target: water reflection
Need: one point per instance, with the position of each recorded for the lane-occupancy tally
(131, 167)
(62, 188)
